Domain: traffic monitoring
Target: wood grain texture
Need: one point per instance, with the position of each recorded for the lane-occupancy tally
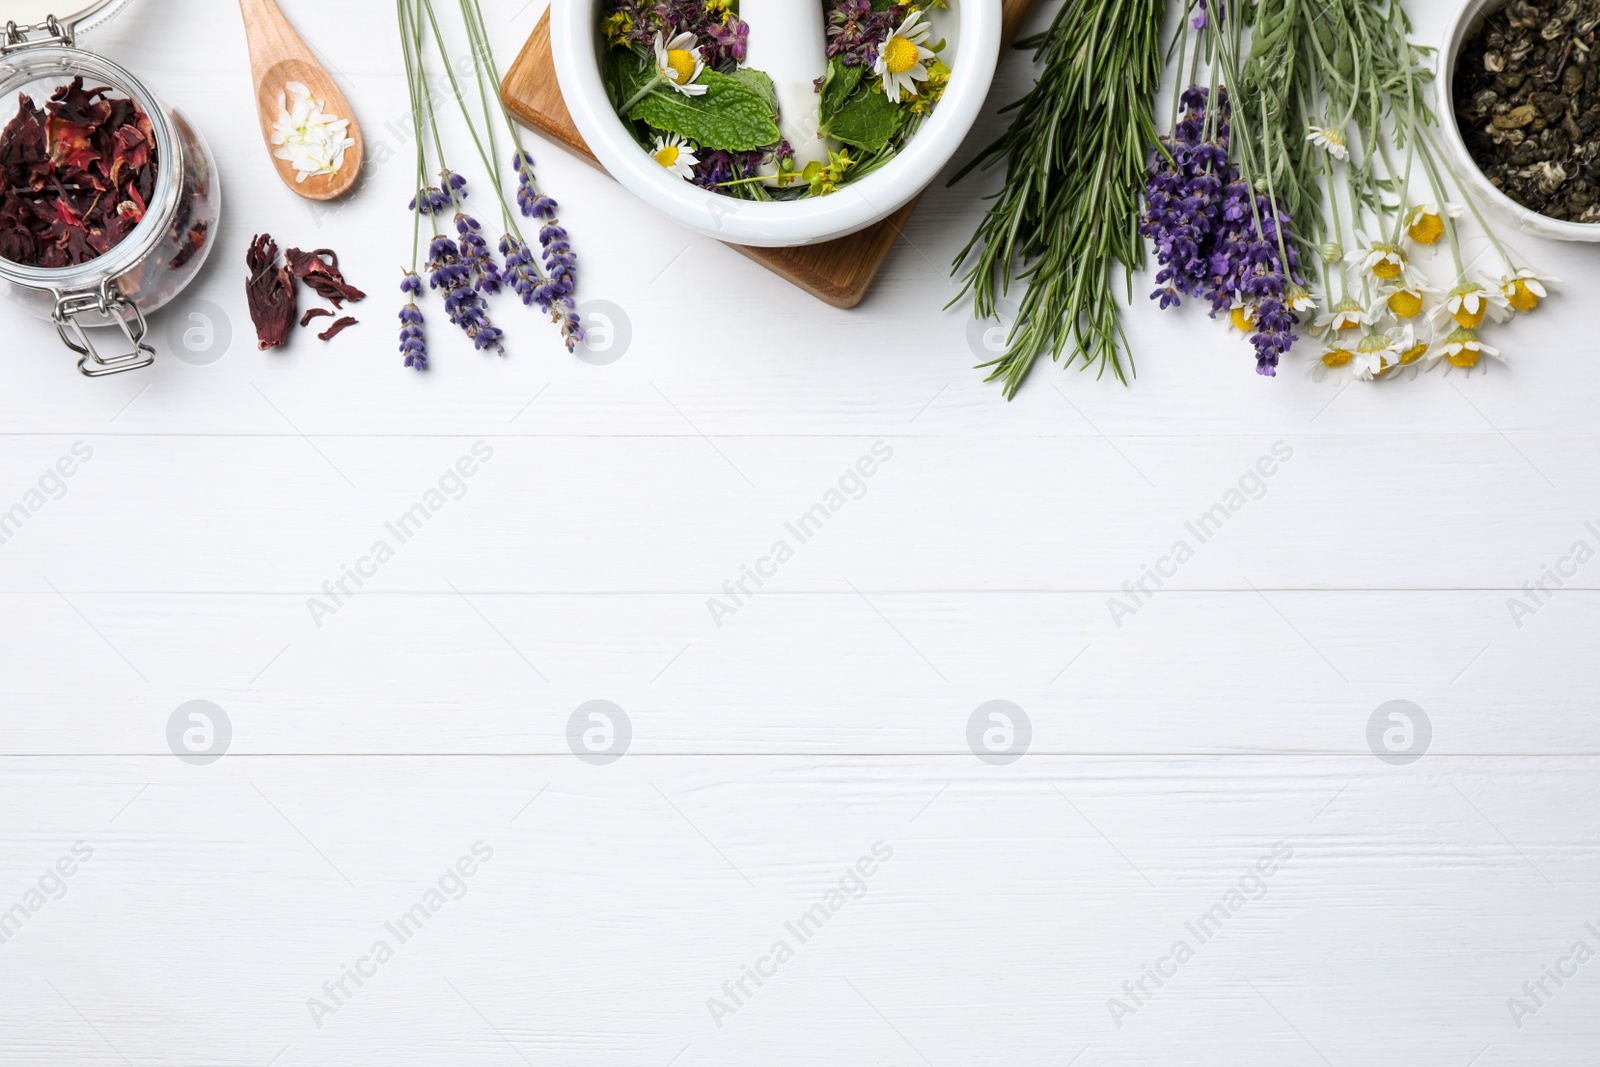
(278, 56)
(836, 272)
(1013, 905)
(1230, 712)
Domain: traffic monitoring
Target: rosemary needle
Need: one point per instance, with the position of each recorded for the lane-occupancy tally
(1075, 157)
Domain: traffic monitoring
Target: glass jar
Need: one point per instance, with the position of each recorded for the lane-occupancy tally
(164, 251)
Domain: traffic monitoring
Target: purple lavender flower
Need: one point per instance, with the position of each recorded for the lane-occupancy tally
(1183, 198)
(560, 263)
(571, 328)
(521, 272)
(486, 276)
(413, 341)
(434, 201)
(530, 201)
(462, 303)
(1214, 238)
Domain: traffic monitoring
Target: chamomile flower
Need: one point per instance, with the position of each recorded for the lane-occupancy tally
(1405, 296)
(1383, 258)
(1468, 303)
(1331, 139)
(902, 58)
(1336, 366)
(676, 155)
(1462, 351)
(1347, 314)
(678, 63)
(1524, 289)
(1375, 356)
(1425, 222)
(1409, 349)
(1298, 299)
(1242, 316)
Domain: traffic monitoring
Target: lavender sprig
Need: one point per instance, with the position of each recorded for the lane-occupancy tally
(486, 276)
(560, 262)
(448, 273)
(1215, 239)
(521, 273)
(413, 341)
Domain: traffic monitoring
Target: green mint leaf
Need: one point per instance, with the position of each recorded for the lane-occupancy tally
(867, 121)
(625, 73)
(729, 115)
(757, 81)
(841, 82)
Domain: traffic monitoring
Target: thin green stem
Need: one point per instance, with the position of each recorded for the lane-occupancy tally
(633, 100)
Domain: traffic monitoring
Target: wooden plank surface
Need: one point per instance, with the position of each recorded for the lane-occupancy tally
(432, 710)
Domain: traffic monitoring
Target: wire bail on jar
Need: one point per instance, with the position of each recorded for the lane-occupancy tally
(57, 33)
(107, 302)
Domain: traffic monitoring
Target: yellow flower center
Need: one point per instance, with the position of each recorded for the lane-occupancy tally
(1337, 357)
(1426, 229)
(899, 55)
(1346, 315)
(681, 66)
(1466, 348)
(1412, 354)
(668, 155)
(1241, 317)
(1387, 269)
(1469, 319)
(1405, 304)
(1520, 296)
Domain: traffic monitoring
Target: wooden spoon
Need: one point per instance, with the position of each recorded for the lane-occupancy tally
(279, 56)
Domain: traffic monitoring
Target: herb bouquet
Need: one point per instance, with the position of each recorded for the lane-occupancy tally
(1312, 193)
(1300, 190)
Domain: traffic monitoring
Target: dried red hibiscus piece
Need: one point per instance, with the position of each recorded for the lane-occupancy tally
(320, 270)
(270, 293)
(193, 241)
(336, 329)
(79, 174)
(314, 313)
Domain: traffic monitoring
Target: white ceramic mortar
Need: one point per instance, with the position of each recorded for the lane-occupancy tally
(972, 28)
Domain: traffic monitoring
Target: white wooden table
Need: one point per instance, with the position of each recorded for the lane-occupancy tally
(214, 907)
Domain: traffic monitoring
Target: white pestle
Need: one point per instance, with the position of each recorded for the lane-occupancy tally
(788, 42)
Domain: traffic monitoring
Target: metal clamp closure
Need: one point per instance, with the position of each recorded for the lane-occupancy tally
(55, 32)
(108, 303)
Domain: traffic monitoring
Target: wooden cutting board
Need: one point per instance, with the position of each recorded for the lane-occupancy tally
(837, 272)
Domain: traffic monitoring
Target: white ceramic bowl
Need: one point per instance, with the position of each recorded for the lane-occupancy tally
(973, 50)
(1464, 25)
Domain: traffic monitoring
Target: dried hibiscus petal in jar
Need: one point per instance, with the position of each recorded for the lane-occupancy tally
(79, 176)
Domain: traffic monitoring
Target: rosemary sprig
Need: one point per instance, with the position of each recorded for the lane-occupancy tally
(1075, 157)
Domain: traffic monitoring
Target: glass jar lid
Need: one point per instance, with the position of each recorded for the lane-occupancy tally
(73, 16)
